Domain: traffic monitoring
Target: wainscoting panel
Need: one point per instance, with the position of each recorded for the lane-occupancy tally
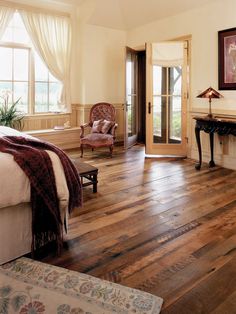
(65, 139)
(41, 126)
(45, 121)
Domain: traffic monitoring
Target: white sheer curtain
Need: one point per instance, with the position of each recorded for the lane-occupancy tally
(51, 36)
(6, 14)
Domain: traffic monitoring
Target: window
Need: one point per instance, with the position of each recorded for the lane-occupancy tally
(47, 88)
(24, 73)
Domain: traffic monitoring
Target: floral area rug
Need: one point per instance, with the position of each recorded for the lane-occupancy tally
(31, 287)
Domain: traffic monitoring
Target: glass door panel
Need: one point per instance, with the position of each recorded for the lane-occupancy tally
(165, 103)
(175, 100)
(175, 80)
(131, 97)
(131, 116)
(159, 119)
(175, 120)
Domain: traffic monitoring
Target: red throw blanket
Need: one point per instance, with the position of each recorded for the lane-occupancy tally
(32, 158)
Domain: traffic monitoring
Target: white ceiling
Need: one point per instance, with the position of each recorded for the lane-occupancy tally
(128, 14)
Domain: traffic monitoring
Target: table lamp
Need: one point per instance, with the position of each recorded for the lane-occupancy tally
(210, 93)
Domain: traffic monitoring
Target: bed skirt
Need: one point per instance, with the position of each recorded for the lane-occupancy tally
(15, 231)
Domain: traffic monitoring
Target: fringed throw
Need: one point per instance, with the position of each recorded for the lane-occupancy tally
(32, 158)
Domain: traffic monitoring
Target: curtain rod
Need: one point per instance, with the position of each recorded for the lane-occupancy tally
(21, 6)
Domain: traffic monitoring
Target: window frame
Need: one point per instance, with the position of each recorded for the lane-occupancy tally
(31, 78)
(12, 45)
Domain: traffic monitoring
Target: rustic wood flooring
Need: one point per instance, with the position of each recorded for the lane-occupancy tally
(160, 226)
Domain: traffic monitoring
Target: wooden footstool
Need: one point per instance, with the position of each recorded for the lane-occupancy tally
(90, 173)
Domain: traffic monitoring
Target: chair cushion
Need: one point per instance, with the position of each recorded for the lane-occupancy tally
(106, 126)
(97, 126)
(97, 140)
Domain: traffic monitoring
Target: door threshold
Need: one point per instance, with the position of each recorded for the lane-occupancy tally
(164, 156)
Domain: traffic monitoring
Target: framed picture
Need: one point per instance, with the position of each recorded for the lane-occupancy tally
(227, 58)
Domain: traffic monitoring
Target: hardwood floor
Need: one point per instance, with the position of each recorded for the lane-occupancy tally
(160, 226)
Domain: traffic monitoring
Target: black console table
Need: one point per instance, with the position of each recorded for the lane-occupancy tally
(221, 126)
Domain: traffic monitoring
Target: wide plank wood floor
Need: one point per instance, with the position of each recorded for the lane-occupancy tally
(160, 226)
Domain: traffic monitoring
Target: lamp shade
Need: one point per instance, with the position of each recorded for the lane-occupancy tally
(210, 93)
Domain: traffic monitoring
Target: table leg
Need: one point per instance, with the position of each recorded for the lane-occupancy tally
(212, 163)
(95, 182)
(198, 139)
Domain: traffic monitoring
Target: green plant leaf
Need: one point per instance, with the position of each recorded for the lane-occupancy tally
(9, 116)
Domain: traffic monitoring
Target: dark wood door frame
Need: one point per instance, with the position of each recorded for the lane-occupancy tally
(131, 138)
(140, 90)
(142, 96)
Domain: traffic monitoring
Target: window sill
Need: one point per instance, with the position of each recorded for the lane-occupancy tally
(52, 131)
(48, 114)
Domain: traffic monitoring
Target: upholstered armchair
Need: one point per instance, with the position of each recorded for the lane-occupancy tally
(102, 127)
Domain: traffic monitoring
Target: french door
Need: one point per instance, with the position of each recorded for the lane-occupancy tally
(131, 101)
(166, 98)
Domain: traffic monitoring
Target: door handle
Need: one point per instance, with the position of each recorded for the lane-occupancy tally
(127, 105)
(149, 107)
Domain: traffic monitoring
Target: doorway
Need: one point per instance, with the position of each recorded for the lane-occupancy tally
(166, 103)
(135, 102)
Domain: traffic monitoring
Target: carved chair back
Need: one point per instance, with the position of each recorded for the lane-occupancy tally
(102, 110)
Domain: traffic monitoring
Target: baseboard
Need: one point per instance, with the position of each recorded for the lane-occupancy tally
(225, 161)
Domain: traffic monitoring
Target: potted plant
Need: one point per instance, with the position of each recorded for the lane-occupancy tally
(9, 115)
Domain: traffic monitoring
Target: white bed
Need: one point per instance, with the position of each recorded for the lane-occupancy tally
(15, 210)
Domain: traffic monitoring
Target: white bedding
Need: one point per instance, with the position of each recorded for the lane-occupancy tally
(15, 186)
(15, 209)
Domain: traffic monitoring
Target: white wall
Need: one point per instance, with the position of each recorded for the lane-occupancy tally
(203, 24)
(97, 60)
(101, 65)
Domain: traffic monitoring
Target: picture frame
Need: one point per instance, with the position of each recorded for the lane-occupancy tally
(227, 59)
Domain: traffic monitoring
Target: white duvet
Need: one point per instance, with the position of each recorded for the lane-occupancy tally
(15, 186)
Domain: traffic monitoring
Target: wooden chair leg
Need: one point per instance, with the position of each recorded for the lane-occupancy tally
(81, 150)
(111, 150)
